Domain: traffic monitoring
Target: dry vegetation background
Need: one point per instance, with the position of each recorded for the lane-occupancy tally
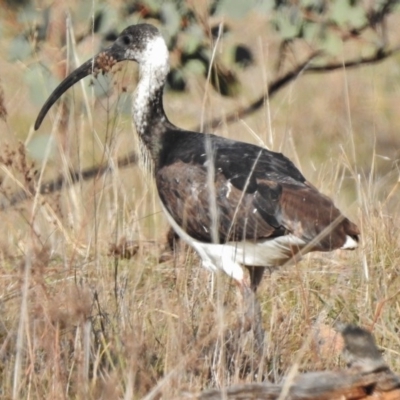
(83, 318)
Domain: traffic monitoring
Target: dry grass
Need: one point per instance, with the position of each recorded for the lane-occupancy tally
(83, 317)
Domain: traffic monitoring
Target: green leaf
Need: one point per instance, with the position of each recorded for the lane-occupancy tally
(124, 103)
(172, 19)
(189, 43)
(311, 31)
(84, 11)
(109, 18)
(343, 13)
(102, 84)
(192, 38)
(41, 146)
(20, 49)
(195, 66)
(307, 3)
(315, 5)
(40, 83)
(288, 25)
(332, 43)
(239, 8)
(153, 4)
(28, 16)
(264, 6)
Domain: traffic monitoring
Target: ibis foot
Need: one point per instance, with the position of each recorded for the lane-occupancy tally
(252, 317)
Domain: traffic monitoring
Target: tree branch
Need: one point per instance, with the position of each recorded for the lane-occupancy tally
(273, 87)
(65, 181)
(305, 67)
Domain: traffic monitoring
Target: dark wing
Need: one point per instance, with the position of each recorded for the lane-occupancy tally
(312, 216)
(258, 193)
(244, 164)
(236, 159)
(184, 191)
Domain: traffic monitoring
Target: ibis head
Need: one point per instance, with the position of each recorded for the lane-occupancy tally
(142, 43)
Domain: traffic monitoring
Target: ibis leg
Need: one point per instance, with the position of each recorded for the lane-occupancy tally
(252, 309)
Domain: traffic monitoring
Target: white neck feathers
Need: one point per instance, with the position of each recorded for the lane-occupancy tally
(153, 70)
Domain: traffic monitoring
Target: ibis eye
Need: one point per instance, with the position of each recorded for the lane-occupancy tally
(126, 40)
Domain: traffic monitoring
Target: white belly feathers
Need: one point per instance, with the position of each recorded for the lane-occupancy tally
(230, 257)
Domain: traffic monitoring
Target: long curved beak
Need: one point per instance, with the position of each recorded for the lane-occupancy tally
(101, 63)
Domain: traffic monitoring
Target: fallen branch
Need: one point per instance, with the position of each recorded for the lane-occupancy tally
(326, 385)
(368, 377)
